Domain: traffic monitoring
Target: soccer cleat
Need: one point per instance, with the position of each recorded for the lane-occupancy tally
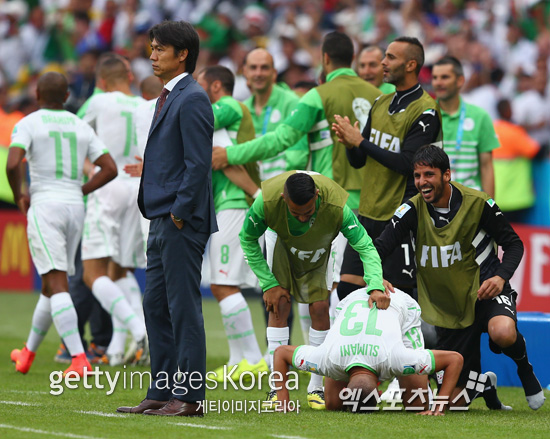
(245, 366)
(219, 375)
(490, 394)
(316, 399)
(141, 358)
(269, 402)
(115, 359)
(62, 355)
(23, 359)
(95, 354)
(78, 364)
(531, 386)
(393, 392)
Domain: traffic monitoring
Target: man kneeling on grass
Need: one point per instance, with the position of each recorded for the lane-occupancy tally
(366, 345)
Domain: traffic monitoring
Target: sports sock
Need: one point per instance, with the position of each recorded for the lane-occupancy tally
(316, 338)
(41, 322)
(276, 337)
(112, 299)
(132, 292)
(118, 340)
(241, 337)
(66, 322)
(305, 320)
(334, 300)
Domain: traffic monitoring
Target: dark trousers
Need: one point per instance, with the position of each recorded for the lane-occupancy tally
(88, 308)
(172, 304)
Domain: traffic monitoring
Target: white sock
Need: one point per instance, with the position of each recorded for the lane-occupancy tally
(132, 292)
(316, 338)
(112, 299)
(237, 321)
(276, 337)
(334, 300)
(305, 320)
(41, 322)
(118, 340)
(66, 322)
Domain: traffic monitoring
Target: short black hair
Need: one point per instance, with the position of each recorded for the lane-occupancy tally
(180, 35)
(454, 62)
(433, 156)
(222, 74)
(112, 69)
(339, 47)
(300, 188)
(53, 88)
(416, 52)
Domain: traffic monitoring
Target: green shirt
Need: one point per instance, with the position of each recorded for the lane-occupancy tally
(280, 104)
(478, 135)
(230, 114)
(309, 118)
(387, 88)
(255, 225)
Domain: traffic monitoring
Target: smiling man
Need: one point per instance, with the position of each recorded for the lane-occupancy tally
(463, 287)
(306, 211)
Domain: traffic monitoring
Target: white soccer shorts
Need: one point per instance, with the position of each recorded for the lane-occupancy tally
(54, 230)
(112, 226)
(226, 258)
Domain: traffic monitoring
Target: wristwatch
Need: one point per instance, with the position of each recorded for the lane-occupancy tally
(176, 218)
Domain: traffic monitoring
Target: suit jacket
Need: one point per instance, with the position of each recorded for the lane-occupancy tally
(177, 164)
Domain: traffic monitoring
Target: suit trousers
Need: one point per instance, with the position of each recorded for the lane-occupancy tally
(172, 304)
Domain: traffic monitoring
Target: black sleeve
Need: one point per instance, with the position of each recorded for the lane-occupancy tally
(423, 131)
(497, 226)
(357, 157)
(399, 226)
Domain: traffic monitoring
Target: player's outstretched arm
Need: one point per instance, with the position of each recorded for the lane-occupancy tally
(107, 172)
(282, 359)
(451, 363)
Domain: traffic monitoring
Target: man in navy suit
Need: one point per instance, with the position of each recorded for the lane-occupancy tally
(176, 195)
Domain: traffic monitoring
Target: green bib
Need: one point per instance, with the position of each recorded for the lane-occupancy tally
(354, 97)
(447, 271)
(300, 262)
(383, 189)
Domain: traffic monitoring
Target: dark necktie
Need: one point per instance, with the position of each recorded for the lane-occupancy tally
(161, 101)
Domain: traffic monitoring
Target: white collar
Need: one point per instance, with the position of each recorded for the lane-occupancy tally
(172, 83)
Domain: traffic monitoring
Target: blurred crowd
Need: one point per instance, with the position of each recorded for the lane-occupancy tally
(504, 45)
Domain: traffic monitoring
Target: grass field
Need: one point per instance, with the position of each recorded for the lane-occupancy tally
(28, 410)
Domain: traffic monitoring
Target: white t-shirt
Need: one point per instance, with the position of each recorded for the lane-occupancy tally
(112, 115)
(56, 143)
(369, 338)
(144, 117)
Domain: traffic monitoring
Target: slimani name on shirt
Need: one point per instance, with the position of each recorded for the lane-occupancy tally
(62, 120)
(359, 349)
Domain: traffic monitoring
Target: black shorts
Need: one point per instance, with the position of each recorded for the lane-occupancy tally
(467, 341)
(399, 268)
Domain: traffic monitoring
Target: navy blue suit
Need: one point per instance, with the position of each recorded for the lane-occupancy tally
(177, 179)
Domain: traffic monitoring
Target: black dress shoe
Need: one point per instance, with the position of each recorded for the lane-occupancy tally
(143, 405)
(175, 407)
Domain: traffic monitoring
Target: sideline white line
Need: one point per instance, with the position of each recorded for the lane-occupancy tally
(104, 414)
(18, 403)
(28, 392)
(49, 433)
(282, 436)
(207, 427)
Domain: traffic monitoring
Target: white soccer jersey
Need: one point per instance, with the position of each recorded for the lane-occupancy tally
(112, 115)
(369, 338)
(144, 117)
(56, 143)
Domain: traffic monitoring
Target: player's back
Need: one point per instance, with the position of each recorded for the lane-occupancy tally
(56, 143)
(112, 115)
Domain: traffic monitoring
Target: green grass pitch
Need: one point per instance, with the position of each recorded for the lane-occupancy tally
(28, 410)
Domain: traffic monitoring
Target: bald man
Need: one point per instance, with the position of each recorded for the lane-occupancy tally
(55, 143)
(269, 105)
(369, 68)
